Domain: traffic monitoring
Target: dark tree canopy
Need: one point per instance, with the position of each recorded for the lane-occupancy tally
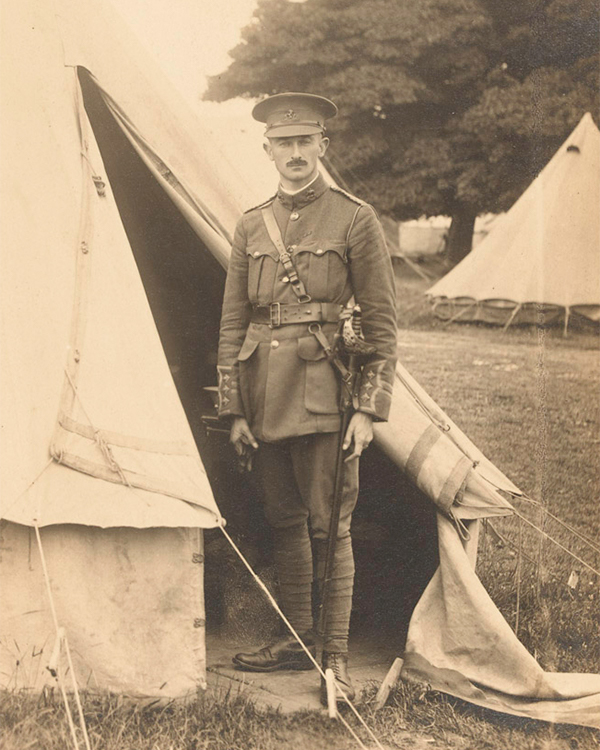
(446, 106)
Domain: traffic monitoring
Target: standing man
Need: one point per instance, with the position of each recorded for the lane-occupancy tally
(296, 261)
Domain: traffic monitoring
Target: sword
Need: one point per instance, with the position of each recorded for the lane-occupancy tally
(351, 342)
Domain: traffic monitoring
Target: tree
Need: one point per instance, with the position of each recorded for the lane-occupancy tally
(447, 106)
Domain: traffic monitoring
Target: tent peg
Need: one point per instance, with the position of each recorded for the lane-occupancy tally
(388, 683)
(331, 696)
(566, 326)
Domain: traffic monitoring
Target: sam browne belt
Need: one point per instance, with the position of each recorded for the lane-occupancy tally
(281, 314)
(305, 310)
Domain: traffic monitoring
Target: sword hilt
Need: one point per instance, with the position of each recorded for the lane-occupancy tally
(352, 335)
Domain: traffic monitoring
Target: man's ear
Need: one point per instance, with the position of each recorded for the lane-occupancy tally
(269, 150)
(323, 146)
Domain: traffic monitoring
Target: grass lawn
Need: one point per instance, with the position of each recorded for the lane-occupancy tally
(530, 399)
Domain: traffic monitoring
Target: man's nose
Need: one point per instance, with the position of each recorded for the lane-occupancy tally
(296, 153)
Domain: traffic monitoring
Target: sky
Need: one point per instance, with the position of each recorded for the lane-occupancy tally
(190, 38)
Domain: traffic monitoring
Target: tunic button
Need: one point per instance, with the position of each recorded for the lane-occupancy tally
(294, 216)
(256, 254)
(319, 252)
(274, 344)
(285, 280)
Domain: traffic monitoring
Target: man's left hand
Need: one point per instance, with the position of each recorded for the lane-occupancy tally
(359, 434)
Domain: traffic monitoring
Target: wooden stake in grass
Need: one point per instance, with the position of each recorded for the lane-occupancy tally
(388, 683)
(331, 696)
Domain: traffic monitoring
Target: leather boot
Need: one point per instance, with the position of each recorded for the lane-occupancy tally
(286, 653)
(338, 663)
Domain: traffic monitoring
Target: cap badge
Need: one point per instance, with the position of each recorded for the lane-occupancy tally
(290, 115)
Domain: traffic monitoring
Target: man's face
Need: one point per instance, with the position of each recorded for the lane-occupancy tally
(296, 157)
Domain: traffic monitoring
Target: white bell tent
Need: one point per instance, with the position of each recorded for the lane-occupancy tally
(96, 449)
(541, 260)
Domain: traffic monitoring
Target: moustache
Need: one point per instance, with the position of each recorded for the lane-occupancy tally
(296, 163)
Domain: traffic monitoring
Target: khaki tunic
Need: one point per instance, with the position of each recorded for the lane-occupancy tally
(279, 379)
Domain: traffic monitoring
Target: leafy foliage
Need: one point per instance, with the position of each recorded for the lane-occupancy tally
(446, 105)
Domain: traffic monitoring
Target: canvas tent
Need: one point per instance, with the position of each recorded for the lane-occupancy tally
(96, 448)
(113, 261)
(541, 260)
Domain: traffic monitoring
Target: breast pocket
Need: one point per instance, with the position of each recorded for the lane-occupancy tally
(321, 392)
(326, 268)
(262, 268)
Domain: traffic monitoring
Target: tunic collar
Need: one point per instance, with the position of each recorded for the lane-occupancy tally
(311, 192)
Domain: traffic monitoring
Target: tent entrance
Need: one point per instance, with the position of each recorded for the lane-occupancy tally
(370, 660)
(183, 281)
(394, 528)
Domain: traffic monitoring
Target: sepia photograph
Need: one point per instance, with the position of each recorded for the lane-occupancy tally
(300, 374)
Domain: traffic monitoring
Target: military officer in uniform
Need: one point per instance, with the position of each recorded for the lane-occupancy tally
(296, 261)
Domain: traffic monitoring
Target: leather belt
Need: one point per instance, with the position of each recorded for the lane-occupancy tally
(281, 314)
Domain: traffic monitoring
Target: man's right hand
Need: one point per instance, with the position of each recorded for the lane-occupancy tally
(243, 441)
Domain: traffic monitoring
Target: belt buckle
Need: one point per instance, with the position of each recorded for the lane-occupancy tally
(275, 320)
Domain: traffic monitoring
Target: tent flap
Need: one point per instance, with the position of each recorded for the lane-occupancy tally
(459, 643)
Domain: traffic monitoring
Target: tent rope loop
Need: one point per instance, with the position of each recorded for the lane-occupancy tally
(58, 455)
(461, 527)
(108, 455)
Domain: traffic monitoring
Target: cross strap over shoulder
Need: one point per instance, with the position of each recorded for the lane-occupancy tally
(284, 256)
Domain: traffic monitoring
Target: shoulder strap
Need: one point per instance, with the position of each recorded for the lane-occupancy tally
(261, 205)
(285, 258)
(353, 198)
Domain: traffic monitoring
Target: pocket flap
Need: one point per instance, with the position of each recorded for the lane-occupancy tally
(247, 350)
(310, 349)
(259, 250)
(324, 247)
